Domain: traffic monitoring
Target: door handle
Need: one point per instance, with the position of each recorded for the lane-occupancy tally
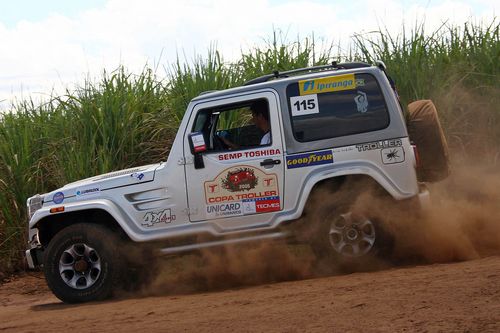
(270, 162)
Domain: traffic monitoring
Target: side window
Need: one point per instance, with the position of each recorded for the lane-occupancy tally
(235, 126)
(335, 106)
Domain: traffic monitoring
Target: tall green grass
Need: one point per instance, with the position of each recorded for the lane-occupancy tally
(97, 128)
(125, 119)
(456, 66)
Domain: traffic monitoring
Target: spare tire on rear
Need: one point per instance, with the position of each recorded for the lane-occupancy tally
(426, 132)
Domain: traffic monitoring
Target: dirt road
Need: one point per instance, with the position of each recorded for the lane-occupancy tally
(456, 297)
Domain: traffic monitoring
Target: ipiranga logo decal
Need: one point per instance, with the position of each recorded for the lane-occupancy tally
(327, 84)
(309, 159)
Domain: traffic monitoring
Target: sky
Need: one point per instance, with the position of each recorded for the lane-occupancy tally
(51, 45)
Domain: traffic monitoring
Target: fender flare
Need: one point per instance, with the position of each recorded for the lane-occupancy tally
(359, 168)
(123, 220)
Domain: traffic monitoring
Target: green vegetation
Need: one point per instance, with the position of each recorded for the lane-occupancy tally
(125, 120)
(457, 67)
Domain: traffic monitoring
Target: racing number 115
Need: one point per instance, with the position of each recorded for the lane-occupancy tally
(309, 104)
(302, 105)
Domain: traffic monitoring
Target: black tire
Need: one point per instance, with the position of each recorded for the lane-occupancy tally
(348, 210)
(426, 132)
(82, 263)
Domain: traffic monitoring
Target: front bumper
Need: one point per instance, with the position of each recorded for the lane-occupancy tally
(34, 257)
(29, 259)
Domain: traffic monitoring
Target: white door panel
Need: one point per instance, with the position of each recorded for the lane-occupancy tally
(238, 188)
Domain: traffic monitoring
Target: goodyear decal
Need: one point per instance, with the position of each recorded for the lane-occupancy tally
(327, 84)
(309, 159)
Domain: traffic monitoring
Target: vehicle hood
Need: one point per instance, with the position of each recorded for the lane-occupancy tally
(95, 185)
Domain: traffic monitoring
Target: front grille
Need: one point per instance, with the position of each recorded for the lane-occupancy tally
(35, 203)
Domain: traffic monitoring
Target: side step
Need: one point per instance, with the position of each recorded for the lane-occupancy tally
(199, 246)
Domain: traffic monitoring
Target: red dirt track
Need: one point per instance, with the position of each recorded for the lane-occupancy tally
(455, 297)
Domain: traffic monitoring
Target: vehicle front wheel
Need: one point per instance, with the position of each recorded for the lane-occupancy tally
(82, 263)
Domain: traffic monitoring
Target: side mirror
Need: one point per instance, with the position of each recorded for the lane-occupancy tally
(198, 146)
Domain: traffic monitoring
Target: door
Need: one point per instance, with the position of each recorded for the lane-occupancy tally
(240, 182)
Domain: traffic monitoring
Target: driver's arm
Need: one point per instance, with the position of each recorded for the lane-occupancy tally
(228, 143)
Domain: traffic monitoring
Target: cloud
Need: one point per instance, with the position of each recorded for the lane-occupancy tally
(49, 54)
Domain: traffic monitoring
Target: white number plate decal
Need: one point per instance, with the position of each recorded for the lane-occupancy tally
(303, 105)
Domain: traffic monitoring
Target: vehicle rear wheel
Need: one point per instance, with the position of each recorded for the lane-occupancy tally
(347, 240)
(352, 237)
(82, 263)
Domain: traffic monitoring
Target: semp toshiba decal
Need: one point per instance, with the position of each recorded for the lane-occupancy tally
(242, 190)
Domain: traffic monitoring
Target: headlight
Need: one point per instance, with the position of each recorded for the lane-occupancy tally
(34, 204)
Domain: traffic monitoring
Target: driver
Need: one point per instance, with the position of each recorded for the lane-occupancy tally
(260, 117)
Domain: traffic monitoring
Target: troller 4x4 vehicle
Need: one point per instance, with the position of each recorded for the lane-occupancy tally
(222, 181)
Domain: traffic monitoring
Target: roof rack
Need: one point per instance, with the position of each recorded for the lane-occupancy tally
(333, 65)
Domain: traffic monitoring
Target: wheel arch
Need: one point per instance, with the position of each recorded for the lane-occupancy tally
(50, 225)
(335, 184)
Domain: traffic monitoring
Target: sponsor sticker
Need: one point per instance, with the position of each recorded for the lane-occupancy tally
(58, 198)
(240, 180)
(225, 209)
(309, 159)
(393, 155)
(361, 101)
(152, 218)
(238, 183)
(343, 149)
(248, 154)
(264, 205)
(248, 206)
(88, 191)
(137, 175)
(379, 145)
(327, 84)
(360, 82)
(261, 205)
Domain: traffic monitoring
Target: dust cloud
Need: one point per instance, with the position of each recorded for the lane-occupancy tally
(229, 267)
(463, 223)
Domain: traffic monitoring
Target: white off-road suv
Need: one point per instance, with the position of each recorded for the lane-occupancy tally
(327, 125)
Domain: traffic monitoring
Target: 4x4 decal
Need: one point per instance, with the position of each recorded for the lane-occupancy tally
(152, 218)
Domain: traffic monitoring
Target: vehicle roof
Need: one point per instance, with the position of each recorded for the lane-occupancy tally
(278, 83)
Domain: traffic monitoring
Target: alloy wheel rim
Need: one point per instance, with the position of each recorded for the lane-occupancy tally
(80, 266)
(352, 237)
